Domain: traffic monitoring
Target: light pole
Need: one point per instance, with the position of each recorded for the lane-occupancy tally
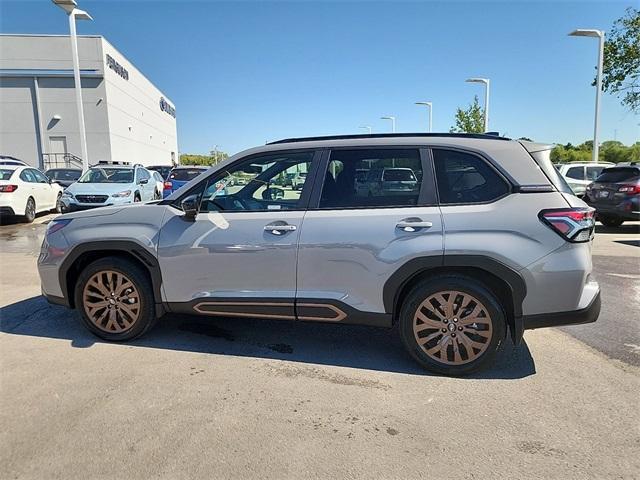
(393, 122)
(367, 127)
(69, 6)
(599, 34)
(486, 98)
(430, 105)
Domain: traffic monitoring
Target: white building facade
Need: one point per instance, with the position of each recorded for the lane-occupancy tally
(127, 118)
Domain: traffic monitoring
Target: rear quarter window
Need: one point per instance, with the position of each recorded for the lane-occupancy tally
(466, 178)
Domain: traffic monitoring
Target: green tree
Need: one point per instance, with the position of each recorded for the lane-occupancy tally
(621, 63)
(192, 159)
(470, 120)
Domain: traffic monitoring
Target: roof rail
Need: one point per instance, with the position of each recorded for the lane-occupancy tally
(488, 135)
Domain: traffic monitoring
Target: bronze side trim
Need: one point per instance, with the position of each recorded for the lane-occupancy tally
(340, 315)
(198, 308)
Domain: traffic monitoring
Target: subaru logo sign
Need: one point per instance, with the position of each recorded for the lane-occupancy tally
(165, 107)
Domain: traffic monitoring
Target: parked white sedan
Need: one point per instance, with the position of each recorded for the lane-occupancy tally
(26, 191)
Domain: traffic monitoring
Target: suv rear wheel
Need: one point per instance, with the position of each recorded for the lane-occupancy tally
(452, 325)
(115, 299)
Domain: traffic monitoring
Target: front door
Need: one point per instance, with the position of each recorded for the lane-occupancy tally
(238, 258)
(376, 211)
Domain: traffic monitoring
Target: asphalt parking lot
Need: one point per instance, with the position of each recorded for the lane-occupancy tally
(223, 398)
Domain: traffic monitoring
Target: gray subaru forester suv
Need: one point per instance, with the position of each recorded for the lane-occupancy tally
(479, 238)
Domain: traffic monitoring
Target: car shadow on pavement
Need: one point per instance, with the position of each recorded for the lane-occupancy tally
(624, 229)
(351, 346)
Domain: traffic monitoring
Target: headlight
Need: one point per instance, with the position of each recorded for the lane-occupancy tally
(67, 194)
(125, 193)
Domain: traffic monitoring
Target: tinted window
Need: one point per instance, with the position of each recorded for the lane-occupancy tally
(576, 173)
(594, 172)
(40, 177)
(163, 170)
(256, 184)
(390, 181)
(70, 175)
(5, 174)
(143, 174)
(185, 174)
(618, 174)
(466, 178)
(27, 176)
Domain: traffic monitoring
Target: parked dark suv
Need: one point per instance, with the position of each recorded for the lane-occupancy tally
(616, 195)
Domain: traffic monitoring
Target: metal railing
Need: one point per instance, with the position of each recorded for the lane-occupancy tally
(61, 160)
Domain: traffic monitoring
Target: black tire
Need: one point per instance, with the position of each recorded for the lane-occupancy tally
(58, 207)
(136, 275)
(136, 197)
(611, 221)
(30, 211)
(464, 286)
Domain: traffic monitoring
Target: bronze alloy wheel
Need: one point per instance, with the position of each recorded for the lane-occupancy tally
(452, 327)
(111, 301)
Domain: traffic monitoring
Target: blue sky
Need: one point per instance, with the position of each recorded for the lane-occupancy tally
(241, 73)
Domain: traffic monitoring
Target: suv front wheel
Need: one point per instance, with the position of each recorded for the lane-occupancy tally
(452, 325)
(115, 299)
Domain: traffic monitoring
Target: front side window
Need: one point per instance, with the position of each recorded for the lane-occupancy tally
(107, 175)
(577, 173)
(364, 178)
(143, 174)
(466, 178)
(40, 177)
(269, 182)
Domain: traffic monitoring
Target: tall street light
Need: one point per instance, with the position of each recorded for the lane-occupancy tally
(486, 99)
(430, 105)
(69, 6)
(599, 34)
(393, 122)
(368, 127)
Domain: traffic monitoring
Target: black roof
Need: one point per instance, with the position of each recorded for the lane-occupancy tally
(488, 135)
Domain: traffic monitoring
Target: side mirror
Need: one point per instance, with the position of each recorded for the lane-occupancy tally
(190, 206)
(144, 182)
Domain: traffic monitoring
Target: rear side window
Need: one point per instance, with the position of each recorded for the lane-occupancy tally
(577, 173)
(618, 174)
(5, 173)
(466, 178)
(27, 176)
(366, 178)
(185, 174)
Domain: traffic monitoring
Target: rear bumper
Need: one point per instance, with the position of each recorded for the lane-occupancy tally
(628, 209)
(589, 314)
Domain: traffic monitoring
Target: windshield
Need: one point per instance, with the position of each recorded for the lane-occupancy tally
(618, 174)
(107, 175)
(399, 176)
(5, 173)
(71, 175)
(185, 174)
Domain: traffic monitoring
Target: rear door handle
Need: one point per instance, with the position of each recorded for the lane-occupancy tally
(279, 229)
(411, 225)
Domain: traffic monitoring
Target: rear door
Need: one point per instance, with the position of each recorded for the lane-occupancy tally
(353, 238)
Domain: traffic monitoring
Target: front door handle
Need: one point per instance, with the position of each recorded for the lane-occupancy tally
(412, 225)
(279, 229)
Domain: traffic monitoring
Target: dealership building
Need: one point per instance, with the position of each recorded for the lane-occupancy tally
(127, 118)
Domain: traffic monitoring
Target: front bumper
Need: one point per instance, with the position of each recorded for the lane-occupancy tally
(588, 314)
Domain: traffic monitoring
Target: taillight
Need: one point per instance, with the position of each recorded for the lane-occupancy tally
(629, 189)
(167, 185)
(8, 188)
(572, 224)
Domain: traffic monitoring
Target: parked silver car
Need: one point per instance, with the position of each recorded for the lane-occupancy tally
(492, 242)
